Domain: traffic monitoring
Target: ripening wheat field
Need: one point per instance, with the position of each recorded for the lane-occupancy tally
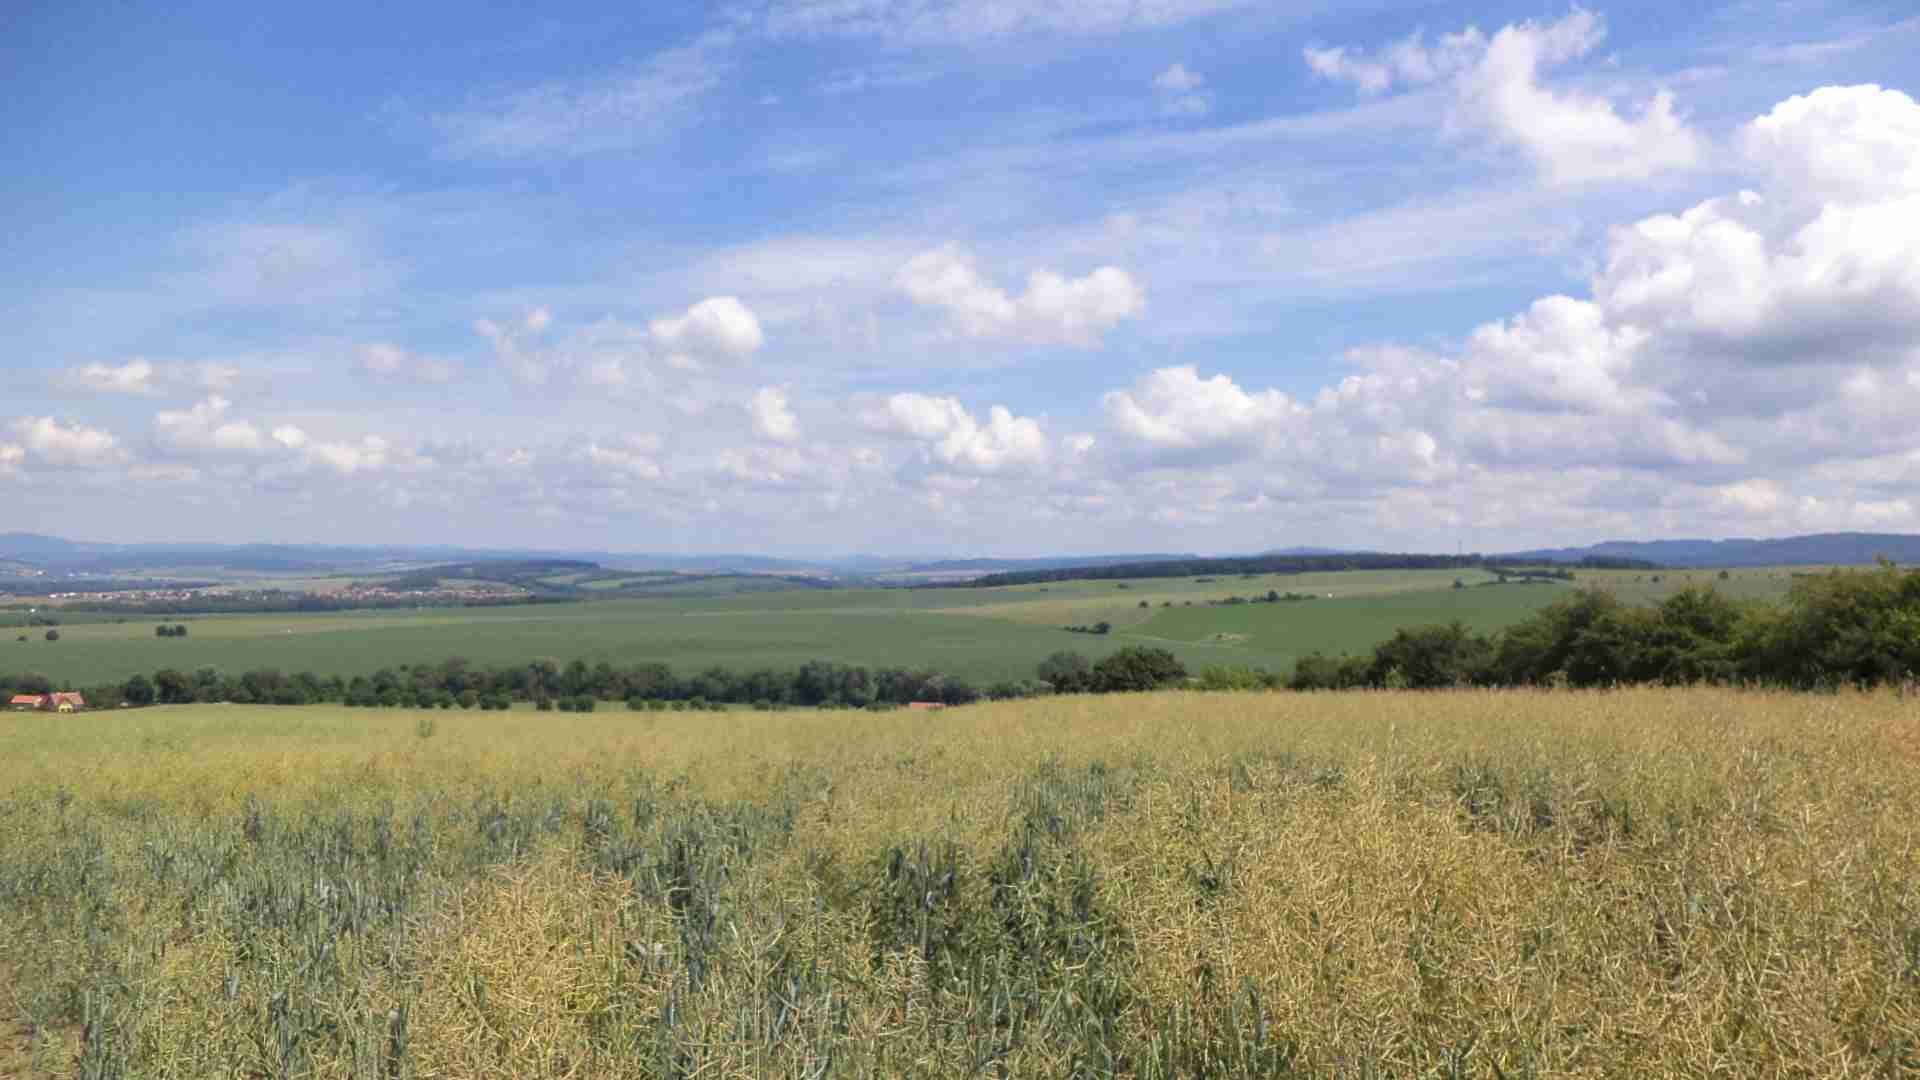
(1646, 883)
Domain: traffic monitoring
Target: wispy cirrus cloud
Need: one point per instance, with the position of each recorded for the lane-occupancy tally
(147, 378)
(386, 362)
(964, 21)
(611, 111)
(1181, 93)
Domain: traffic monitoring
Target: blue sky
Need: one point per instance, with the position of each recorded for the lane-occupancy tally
(1013, 277)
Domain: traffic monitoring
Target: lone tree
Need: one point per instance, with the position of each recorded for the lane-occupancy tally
(138, 691)
(53, 635)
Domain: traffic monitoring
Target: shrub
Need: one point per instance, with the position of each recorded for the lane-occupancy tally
(1320, 672)
(1137, 667)
(1427, 657)
(1233, 677)
(1066, 671)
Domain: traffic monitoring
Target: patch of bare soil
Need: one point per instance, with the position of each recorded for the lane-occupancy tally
(18, 1039)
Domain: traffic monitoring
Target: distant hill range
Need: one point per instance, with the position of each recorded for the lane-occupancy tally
(1819, 549)
(23, 552)
(993, 566)
(69, 556)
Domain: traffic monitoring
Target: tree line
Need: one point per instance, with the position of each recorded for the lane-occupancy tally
(1834, 629)
(1296, 564)
(282, 601)
(457, 682)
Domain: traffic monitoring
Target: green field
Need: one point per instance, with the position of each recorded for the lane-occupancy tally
(1347, 624)
(982, 635)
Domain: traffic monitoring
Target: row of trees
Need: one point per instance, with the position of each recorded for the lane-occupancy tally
(459, 682)
(278, 601)
(1836, 629)
(1251, 565)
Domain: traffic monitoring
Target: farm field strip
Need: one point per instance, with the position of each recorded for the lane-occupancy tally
(982, 635)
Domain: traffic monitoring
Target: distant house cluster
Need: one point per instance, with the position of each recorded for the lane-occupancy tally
(58, 702)
(480, 590)
(131, 595)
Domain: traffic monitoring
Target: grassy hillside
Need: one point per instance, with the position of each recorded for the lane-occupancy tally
(1288, 630)
(1647, 883)
(982, 635)
(685, 634)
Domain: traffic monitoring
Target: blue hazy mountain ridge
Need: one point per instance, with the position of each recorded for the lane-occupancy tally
(52, 552)
(1059, 562)
(1818, 549)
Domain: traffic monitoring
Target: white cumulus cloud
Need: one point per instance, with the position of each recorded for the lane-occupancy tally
(369, 454)
(1055, 309)
(205, 428)
(772, 419)
(1840, 142)
(66, 446)
(952, 436)
(1571, 136)
(1732, 362)
(1176, 414)
(717, 328)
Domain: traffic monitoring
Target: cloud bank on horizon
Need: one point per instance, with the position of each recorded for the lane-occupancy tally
(946, 277)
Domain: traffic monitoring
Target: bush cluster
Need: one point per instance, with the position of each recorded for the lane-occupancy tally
(1835, 629)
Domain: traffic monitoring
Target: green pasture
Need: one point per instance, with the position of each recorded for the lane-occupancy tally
(1275, 635)
(982, 635)
(684, 634)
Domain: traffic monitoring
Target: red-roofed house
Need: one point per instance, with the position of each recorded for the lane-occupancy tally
(65, 702)
(23, 702)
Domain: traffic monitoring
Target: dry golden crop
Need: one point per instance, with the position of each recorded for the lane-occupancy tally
(1635, 883)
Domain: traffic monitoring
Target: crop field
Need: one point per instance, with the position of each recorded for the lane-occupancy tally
(1638, 883)
(982, 635)
(1352, 624)
(685, 634)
